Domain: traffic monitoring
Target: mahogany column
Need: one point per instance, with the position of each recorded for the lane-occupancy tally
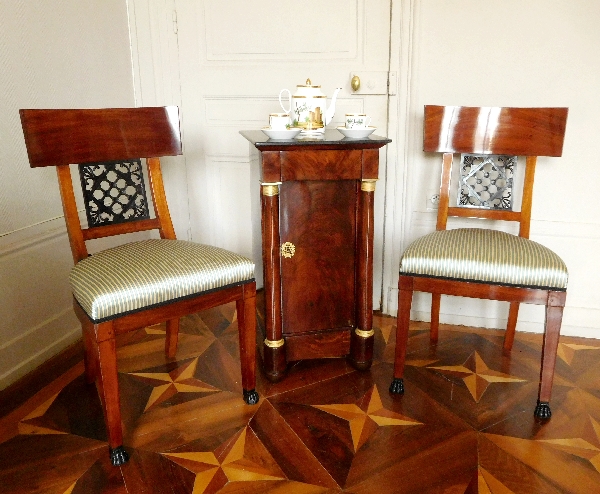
(361, 346)
(274, 362)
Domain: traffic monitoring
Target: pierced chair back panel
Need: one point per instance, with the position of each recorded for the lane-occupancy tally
(114, 192)
(486, 181)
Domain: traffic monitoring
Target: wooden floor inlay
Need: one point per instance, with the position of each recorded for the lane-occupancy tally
(464, 425)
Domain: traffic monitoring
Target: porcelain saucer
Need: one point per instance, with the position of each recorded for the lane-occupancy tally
(281, 134)
(357, 133)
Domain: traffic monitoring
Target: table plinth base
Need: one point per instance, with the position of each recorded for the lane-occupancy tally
(339, 343)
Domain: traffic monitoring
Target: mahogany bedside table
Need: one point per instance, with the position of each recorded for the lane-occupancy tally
(312, 215)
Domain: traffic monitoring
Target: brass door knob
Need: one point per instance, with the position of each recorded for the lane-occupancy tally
(355, 83)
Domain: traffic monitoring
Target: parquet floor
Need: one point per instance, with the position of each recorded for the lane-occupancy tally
(464, 425)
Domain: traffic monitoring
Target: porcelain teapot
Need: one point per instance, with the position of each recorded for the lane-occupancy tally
(308, 107)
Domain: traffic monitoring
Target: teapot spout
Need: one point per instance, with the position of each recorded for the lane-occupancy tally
(331, 108)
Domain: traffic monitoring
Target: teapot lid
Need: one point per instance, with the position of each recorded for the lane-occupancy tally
(308, 84)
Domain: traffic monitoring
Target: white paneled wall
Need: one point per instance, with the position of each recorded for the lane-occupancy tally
(67, 54)
(504, 53)
(77, 53)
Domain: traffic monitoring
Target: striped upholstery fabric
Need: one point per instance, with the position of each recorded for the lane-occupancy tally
(150, 272)
(474, 254)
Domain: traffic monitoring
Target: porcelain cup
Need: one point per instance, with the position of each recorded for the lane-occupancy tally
(357, 121)
(279, 121)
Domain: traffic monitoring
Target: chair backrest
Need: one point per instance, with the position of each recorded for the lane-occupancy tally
(492, 131)
(108, 145)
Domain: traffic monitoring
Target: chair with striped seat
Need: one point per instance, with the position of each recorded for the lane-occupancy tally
(479, 262)
(143, 282)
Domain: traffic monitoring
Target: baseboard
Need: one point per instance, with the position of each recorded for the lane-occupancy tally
(27, 386)
(31, 348)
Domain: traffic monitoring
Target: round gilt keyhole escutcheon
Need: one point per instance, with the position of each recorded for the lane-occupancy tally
(288, 249)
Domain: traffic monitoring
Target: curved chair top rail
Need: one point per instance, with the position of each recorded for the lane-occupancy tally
(495, 130)
(62, 137)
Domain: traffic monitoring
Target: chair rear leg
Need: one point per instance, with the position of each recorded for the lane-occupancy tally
(108, 388)
(436, 299)
(405, 294)
(509, 336)
(246, 315)
(172, 336)
(550, 345)
(90, 355)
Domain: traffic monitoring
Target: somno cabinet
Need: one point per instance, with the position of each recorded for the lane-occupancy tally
(313, 230)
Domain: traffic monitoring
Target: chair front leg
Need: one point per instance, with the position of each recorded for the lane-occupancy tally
(90, 356)
(405, 294)
(554, 312)
(108, 388)
(246, 314)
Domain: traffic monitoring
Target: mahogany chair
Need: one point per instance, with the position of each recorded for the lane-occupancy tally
(142, 282)
(485, 263)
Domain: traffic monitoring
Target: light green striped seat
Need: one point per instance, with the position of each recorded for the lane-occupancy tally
(479, 255)
(148, 273)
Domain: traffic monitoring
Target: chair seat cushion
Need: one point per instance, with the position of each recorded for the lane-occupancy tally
(485, 256)
(147, 273)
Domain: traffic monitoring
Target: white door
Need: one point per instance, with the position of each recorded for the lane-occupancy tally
(234, 58)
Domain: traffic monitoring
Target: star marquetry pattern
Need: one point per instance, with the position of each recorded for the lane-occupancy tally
(168, 384)
(586, 447)
(364, 423)
(476, 375)
(70, 489)
(29, 425)
(387, 327)
(386, 331)
(420, 363)
(155, 330)
(238, 465)
(488, 484)
(566, 351)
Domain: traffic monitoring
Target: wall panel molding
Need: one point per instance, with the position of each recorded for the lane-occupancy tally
(31, 236)
(37, 322)
(422, 221)
(232, 173)
(303, 32)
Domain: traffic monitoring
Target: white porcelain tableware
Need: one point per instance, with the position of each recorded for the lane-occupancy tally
(357, 133)
(357, 120)
(281, 133)
(308, 106)
(279, 121)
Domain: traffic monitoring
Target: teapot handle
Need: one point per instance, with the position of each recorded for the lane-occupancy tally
(289, 100)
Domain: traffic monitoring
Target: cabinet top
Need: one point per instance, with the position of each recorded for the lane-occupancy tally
(332, 139)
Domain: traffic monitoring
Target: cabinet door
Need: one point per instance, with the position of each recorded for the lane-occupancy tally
(318, 281)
